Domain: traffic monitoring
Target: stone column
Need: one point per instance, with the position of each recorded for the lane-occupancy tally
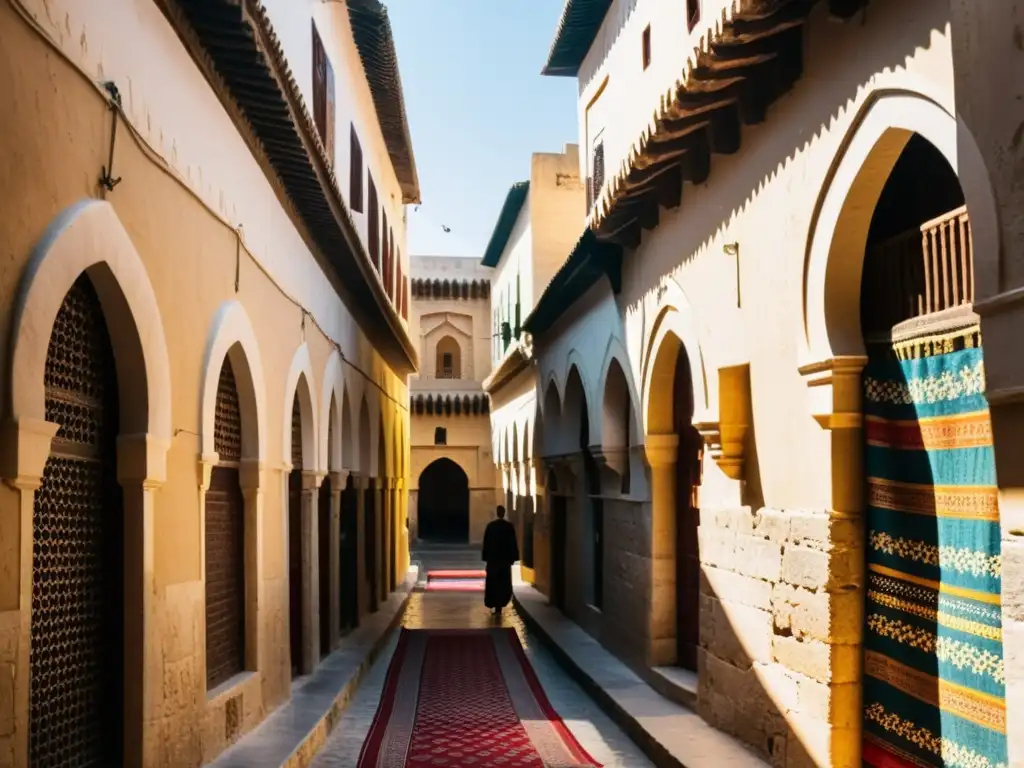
(338, 480)
(387, 560)
(141, 471)
(825, 553)
(661, 456)
(310, 572)
(402, 518)
(24, 449)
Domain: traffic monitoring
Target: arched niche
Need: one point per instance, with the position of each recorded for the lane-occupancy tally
(331, 404)
(299, 385)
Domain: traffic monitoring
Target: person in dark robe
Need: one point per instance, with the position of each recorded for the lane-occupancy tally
(501, 552)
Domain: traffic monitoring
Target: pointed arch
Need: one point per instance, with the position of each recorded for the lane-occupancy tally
(834, 256)
(232, 337)
(89, 237)
(514, 443)
(575, 408)
(349, 435)
(364, 437)
(618, 400)
(330, 420)
(552, 418)
(300, 384)
(673, 330)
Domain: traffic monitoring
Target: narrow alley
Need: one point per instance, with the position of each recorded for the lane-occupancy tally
(683, 330)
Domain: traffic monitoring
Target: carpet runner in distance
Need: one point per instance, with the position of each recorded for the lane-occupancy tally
(466, 698)
(455, 581)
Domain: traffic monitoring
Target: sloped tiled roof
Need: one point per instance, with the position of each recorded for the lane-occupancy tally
(579, 25)
(506, 223)
(235, 45)
(371, 29)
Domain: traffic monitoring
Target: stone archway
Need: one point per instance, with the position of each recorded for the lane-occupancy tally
(674, 451)
(878, 339)
(300, 458)
(85, 263)
(443, 502)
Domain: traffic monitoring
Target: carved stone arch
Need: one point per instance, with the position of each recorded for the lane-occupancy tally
(615, 354)
(332, 386)
(89, 237)
(232, 336)
(835, 250)
(300, 383)
(674, 322)
(575, 388)
(551, 413)
(365, 439)
(349, 424)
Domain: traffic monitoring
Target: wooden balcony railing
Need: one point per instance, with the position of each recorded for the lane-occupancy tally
(920, 272)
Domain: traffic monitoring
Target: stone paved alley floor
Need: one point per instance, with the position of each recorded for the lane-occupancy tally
(592, 728)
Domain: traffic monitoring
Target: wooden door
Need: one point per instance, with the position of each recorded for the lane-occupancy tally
(687, 553)
(295, 568)
(76, 657)
(324, 548)
(558, 536)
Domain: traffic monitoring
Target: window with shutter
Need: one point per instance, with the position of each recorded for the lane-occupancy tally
(355, 175)
(323, 94)
(373, 224)
(385, 242)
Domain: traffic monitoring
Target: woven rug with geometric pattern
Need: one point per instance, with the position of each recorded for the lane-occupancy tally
(466, 698)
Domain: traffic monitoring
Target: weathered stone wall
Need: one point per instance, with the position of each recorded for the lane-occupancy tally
(780, 618)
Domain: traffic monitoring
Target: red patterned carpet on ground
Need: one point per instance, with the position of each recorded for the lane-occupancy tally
(466, 698)
(455, 581)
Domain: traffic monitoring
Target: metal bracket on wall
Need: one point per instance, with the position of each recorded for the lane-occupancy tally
(107, 179)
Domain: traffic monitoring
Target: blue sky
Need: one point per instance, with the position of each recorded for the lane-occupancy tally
(478, 107)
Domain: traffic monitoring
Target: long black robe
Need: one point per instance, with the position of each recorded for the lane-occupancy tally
(500, 552)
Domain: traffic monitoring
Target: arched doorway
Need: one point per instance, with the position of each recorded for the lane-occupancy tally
(295, 540)
(674, 450)
(932, 539)
(687, 514)
(77, 625)
(443, 506)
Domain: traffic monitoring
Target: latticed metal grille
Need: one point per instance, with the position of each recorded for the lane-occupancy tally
(76, 656)
(296, 433)
(225, 577)
(227, 425)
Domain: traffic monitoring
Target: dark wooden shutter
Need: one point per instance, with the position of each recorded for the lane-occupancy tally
(385, 243)
(76, 656)
(598, 171)
(225, 541)
(323, 94)
(373, 224)
(355, 178)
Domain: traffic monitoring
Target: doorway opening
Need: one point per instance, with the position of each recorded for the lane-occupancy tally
(295, 541)
(349, 545)
(443, 506)
(76, 658)
(687, 513)
(558, 542)
(929, 467)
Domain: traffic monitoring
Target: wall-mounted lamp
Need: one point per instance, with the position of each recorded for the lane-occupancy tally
(731, 249)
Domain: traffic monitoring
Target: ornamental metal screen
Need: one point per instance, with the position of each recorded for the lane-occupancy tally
(225, 541)
(77, 635)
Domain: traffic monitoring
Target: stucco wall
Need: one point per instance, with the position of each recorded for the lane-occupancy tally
(780, 549)
(61, 129)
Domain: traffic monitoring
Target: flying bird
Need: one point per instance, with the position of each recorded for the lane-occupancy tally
(446, 228)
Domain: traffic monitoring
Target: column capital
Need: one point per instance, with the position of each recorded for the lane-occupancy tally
(339, 479)
(24, 448)
(661, 450)
(142, 460)
(311, 479)
(834, 387)
(250, 474)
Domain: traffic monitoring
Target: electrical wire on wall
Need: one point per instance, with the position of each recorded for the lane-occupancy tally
(108, 92)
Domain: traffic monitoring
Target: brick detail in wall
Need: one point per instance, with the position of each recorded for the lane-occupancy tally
(780, 620)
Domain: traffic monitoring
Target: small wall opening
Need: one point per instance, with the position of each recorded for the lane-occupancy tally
(443, 503)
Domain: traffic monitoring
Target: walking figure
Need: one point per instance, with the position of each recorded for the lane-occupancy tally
(500, 553)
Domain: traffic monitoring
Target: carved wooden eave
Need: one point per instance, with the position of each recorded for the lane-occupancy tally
(517, 359)
(749, 59)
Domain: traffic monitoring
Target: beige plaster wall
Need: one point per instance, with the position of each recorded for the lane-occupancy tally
(469, 447)
(61, 130)
(557, 201)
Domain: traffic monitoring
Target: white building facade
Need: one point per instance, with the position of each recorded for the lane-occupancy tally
(710, 354)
